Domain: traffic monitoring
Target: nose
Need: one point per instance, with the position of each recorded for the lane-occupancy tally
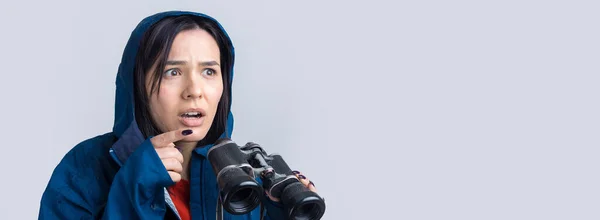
(193, 89)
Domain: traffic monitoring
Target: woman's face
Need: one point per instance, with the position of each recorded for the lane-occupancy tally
(191, 85)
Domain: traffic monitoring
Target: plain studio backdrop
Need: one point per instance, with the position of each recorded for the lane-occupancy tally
(396, 110)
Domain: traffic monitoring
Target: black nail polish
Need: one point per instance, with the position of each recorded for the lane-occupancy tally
(311, 183)
(295, 172)
(302, 177)
(186, 132)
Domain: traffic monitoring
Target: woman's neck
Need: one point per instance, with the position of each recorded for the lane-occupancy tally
(186, 149)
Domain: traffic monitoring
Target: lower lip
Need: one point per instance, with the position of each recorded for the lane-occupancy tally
(191, 122)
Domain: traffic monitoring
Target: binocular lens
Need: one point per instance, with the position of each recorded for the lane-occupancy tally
(241, 194)
(244, 199)
(303, 204)
(308, 211)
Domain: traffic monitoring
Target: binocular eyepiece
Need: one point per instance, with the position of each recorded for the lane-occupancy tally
(236, 168)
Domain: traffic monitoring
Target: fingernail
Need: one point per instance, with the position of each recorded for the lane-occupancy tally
(302, 177)
(186, 132)
(311, 183)
(295, 172)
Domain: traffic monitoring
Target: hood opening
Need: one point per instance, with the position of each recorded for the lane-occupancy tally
(132, 123)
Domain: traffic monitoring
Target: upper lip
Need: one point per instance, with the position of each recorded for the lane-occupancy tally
(202, 112)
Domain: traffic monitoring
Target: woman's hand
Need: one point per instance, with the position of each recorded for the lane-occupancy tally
(170, 156)
(303, 179)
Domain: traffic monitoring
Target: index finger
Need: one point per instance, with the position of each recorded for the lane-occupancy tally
(164, 139)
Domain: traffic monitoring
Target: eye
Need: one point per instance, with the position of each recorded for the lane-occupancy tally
(172, 72)
(210, 72)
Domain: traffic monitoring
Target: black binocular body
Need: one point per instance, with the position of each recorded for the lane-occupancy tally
(236, 168)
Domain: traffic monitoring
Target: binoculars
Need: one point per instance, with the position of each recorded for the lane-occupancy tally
(236, 168)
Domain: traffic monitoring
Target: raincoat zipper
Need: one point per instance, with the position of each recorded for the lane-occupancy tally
(202, 189)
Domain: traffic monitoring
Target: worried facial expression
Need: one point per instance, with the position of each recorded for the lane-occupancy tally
(191, 85)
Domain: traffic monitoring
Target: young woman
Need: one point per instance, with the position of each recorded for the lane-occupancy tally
(173, 103)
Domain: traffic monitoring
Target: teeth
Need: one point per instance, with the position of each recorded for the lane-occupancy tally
(192, 114)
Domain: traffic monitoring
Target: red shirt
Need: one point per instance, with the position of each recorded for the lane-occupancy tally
(180, 194)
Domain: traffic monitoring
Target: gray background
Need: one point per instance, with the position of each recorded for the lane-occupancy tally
(396, 110)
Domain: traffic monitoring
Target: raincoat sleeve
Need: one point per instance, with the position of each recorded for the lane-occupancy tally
(136, 191)
(138, 187)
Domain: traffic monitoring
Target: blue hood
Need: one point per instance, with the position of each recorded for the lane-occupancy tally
(125, 127)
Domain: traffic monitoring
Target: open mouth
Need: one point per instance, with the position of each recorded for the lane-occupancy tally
(192, 115)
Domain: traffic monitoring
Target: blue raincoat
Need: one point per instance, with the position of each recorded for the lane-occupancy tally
(118, 175)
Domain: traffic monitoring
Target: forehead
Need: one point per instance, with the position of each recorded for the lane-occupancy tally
(196, 43)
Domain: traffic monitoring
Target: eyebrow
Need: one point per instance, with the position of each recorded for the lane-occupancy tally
(181, 62)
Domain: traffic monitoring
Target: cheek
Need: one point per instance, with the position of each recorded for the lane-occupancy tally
(164, 105)
(213, 96)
